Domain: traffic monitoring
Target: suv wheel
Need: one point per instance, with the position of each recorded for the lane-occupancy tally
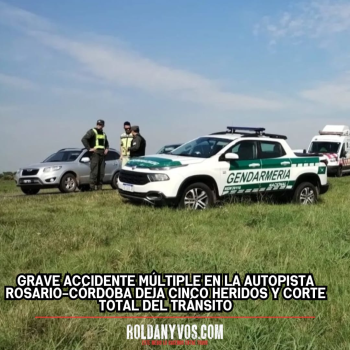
(305, 193)
(30, 190)
(114, 182)
(196, 197)
(68, 183)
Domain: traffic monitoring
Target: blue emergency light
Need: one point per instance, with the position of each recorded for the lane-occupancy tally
(258, 132)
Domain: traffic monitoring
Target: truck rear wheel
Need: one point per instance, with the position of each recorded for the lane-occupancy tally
(197, 196)
(305, 193)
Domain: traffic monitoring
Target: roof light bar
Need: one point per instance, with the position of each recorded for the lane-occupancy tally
(339, 133)
(233, 129)
(258, 132)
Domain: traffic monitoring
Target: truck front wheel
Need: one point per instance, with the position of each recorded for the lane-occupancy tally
(197, 196)
(305, 193)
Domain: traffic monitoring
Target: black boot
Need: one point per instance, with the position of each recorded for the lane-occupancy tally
(99, 188)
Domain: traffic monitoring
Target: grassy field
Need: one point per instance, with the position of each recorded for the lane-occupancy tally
(97, 232)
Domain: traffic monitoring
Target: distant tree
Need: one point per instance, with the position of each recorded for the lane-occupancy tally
(7, 175)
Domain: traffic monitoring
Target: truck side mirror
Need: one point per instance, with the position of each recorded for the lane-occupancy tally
(231, 156)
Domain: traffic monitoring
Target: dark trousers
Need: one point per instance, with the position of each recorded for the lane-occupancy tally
(97, 166)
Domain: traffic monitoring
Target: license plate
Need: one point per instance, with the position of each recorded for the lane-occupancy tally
(27, 181)
(128, 187)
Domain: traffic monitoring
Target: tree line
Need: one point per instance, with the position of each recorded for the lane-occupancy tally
(7, 175)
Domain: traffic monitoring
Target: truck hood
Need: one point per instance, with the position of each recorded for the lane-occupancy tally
(330, 155)
(162, 161)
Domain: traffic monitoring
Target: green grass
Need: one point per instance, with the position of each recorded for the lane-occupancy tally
(97, 232)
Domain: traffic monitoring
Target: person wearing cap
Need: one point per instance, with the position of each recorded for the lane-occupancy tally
(138, 147)
(95, 140)
(125, 142)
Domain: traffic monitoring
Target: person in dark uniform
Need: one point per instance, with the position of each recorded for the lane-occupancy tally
(95, 140)
(138, 145)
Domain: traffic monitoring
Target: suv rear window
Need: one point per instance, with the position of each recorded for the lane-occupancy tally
(270, 149)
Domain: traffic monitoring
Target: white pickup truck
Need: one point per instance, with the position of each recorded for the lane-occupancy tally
(238, 161)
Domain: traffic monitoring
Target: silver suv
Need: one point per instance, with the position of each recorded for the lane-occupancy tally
(67, 170)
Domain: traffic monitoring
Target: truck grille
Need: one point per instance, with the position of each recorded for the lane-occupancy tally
(29, 172)
(134, 178)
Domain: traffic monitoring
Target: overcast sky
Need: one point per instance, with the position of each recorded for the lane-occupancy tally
(178, 69)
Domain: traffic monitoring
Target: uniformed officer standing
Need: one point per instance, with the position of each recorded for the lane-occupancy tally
(95, 140)
(125, 142)
(138, 147)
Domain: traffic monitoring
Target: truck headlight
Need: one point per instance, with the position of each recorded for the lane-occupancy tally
(52, 168)
(158, 177)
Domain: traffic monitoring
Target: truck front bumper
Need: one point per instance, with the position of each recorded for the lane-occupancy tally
(151, 197)
(324, 188)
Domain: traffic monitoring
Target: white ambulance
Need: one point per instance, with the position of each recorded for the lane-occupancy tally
(333, 142)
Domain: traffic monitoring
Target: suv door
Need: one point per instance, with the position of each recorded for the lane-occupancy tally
(275, 166)
(84, 169)
(241, 175)
(111, 165)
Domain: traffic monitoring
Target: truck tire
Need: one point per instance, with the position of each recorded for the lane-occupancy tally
(30, 190)
(305, 193)
(197, 196)
(68, 183)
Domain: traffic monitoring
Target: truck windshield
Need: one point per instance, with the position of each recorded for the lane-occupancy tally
(203, 147)
(64, 156)
(324, 147)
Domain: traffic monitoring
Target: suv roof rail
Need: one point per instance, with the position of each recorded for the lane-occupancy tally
(81, 149)
(257, 132)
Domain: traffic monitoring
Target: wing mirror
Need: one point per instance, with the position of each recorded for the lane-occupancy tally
(85, 160)
(231, 156)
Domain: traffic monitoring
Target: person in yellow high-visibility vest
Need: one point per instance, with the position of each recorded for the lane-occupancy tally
(125, 143)
(95, 140)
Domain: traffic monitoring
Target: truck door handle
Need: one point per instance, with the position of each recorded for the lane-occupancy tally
(285, 163)
(254, 165)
